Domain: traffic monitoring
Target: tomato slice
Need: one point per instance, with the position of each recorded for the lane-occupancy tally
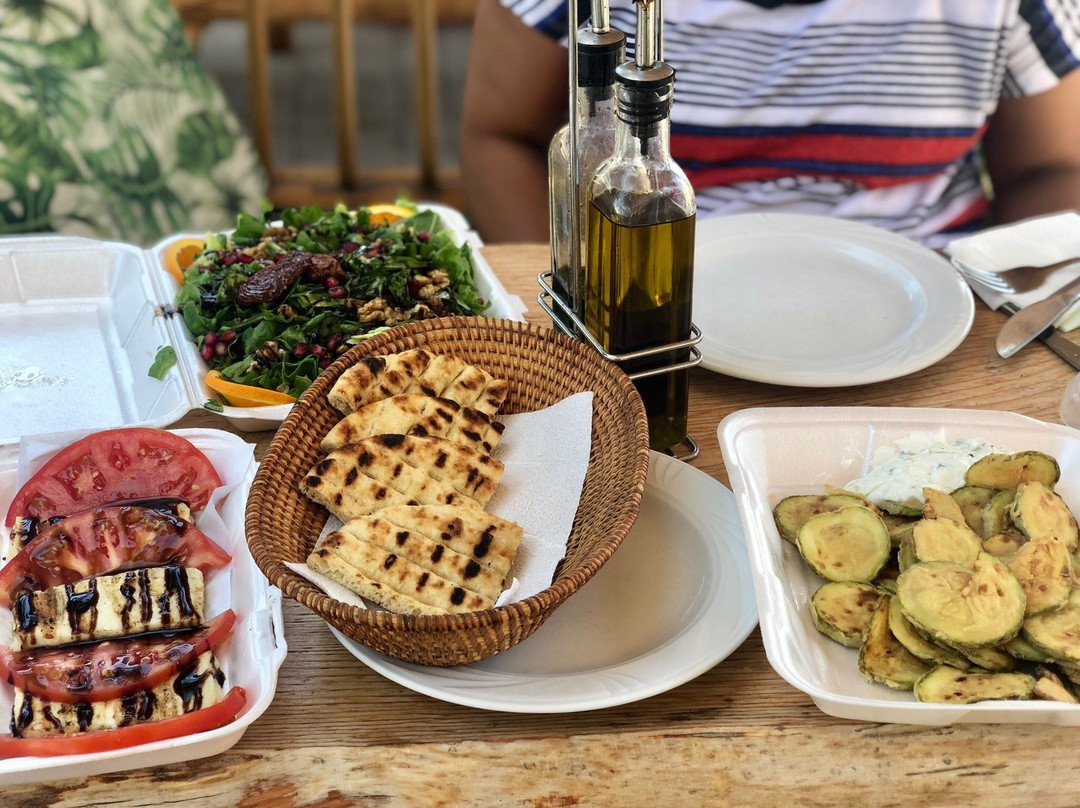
(106, 740)
(111, 669)
(112, 538)
(118, 464)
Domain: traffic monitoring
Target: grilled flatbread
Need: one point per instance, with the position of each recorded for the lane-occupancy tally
(416, 414)
(390, 580)
(432, 556)
(417, 371)
(132, 602)
(474, 533)
(362, 477)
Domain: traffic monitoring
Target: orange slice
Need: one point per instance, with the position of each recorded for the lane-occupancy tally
(244, 395)
(382, 215)
(180, 255)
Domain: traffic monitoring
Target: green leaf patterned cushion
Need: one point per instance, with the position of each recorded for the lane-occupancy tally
(110, 128)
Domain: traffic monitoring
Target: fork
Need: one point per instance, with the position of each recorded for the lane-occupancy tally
(1014, 281)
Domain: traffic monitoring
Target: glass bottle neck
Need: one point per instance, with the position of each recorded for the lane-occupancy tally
(594, 103)
(636, 141)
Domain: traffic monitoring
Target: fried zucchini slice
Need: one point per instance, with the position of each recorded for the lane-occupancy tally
(995, 514)
(1039, 513)
(989, 658)
(939, 505)
(916, 643)
(1044, 570)
(963, 606)
(1005, 545)
(851, 544)
(1021, 649)
(898, 527)
(883, 659)
(841, 610)
(886, 578)
(947, 685)
(791, 513)
(1050, 687)
(1009, 470)
(1057, 633)
(905, 556)
(909, 507)
(945, 540)
(972, 499)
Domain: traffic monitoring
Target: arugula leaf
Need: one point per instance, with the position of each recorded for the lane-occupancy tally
(165, 359)
(248, 230)
(214, 406)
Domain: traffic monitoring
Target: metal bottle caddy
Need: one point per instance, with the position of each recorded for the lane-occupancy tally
(650, 16)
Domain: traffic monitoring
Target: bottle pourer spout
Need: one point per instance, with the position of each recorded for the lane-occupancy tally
(647, 47)
(601, 16)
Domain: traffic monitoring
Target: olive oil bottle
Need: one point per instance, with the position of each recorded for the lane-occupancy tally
(600, 49)
(639, 255)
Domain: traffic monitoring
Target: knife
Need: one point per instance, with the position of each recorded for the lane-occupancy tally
(1030, 322)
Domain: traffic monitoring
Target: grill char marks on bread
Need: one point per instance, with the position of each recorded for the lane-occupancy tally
(417, 371)
(416, 414)
(384, 470)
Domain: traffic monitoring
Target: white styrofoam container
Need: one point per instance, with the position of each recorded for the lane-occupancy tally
(82, 320)
(251, 657)
(771, 453)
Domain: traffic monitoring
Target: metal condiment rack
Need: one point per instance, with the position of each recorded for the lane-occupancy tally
(548, 298)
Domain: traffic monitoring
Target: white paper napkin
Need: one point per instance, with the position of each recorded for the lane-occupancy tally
(546, 455)
(1034, 242)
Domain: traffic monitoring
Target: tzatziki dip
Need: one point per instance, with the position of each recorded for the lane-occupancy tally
(899, 473)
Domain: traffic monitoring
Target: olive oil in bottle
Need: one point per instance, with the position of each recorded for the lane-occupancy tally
(638, 295)
(639, 256)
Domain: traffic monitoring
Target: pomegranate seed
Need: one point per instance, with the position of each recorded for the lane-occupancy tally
(221, 349)
(324, 363)
(207, 352)
(349, 246)
(228, 259)
(337, 293)
(334, 342)
(414, 288)
(318, 350)
(228, 337)
(300, 351)
(244, 258)
(210, 338)
(330, 282)
(423, 237)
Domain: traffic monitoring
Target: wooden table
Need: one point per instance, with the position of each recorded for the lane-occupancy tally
(340, 735)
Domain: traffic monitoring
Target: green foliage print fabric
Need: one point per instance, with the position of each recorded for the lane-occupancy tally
(110, 128)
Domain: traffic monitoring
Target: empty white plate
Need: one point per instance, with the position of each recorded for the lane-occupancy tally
(809, 301)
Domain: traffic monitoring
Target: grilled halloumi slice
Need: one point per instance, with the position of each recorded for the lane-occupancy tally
(133, 602)
(199, 686)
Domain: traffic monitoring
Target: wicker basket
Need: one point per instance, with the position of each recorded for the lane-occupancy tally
(542, 368)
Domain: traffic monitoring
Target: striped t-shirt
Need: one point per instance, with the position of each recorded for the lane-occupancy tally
(860, 109)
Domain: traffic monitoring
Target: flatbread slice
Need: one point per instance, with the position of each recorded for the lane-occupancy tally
(340, 483)
(357, 564)
(487, 538)
(427, 554)
(416, 414)
(418, 371)
(377, 377)
(471, 473)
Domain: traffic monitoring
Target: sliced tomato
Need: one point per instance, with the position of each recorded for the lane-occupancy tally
(111, 669)
(118, 464)
(106, 740)
(112, 538)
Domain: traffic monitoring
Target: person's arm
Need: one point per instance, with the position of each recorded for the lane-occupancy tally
(515, 101)
(1032, 150)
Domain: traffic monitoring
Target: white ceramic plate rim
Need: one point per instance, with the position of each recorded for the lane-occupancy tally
(791, 643)
(949, 313)
(719, 623)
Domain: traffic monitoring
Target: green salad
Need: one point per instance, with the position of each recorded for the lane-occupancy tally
(277, 300)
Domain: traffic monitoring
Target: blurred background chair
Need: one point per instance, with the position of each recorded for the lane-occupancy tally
(313, 67)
